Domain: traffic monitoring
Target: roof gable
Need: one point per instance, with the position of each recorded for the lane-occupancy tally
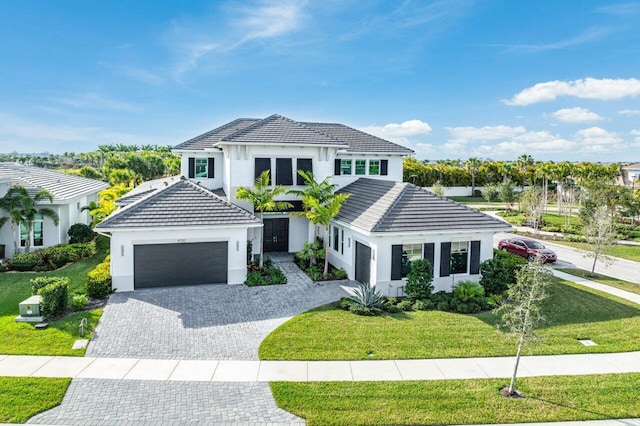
(403, 207)
(277, 129)
(183, 203)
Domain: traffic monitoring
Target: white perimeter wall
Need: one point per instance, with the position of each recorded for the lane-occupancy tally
(122, 243)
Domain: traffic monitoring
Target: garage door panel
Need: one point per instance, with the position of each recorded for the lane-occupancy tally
(160, 265)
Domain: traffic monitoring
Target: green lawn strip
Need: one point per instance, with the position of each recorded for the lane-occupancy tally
(559, 398)
(603, 279)
(24, 397)
(572, 311)
(622, 251)
(57, 339)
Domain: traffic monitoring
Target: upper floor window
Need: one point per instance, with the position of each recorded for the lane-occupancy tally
(345, 167)
(201, 168)
(304, 164)
(374, 167)
(284, 172)
(361, 167)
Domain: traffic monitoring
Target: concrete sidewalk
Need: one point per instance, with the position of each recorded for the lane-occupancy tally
(311, 371)
(623, 294)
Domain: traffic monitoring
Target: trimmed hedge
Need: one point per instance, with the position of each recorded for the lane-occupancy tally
(99, 280)
(80, 233)
(54, 298)
(52, 258)
(41, 282)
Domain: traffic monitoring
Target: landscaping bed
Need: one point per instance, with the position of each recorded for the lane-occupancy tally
(559, 398)
(59, 336)
(23, 397)
(573, 312)
(269, 274)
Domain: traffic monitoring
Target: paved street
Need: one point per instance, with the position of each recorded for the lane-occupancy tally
(569, 257)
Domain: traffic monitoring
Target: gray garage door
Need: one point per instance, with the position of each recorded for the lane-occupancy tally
(160, 265)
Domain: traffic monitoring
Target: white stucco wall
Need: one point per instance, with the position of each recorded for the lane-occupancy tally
(219, 168)
(123, 241)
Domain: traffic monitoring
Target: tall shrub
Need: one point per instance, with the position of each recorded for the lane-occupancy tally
(99, 280)
(500, 272)
(54, 298)
(420, 279)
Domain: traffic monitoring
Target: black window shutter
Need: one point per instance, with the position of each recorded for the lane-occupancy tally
(429, 252)
(305, 164)
(262, 164)
(336, 167)
(211, 168)
(396, 262)
(445, 259)
(384, 167)
(192, 167)
(284, 171)
(474, 268)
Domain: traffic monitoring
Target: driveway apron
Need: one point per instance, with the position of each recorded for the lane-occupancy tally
(198, 322)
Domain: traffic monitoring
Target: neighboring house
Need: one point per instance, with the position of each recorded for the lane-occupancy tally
(193, 230)
(70, 194)
(629, 175)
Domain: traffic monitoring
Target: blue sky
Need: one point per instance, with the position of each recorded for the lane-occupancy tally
(559, 80)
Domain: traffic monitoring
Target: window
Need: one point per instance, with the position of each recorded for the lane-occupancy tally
(261, 165)
(345, 167)
(374, 167)
(342, 241)
(361, 167)
(304, 164)
(410, 252)
(37, 232)
(459, 257)
(284, 172)
(201, 168)
(336, 237)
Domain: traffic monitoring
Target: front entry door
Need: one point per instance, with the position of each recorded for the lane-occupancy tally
(276, 235)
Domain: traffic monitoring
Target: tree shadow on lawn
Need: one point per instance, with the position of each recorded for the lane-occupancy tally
(567, 304)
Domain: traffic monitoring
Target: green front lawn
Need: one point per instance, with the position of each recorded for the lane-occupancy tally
(622, 251)
(573, 312)
(24, 397)
(561, 398)
(603, 279)
(57, 339)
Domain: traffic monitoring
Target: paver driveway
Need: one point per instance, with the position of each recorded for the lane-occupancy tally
(200, 322)
(206, 321)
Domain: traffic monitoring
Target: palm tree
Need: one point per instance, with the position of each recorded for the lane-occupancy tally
(472, 165)
(524, 162)
(22, 210)
(321, 205)
(263, 199)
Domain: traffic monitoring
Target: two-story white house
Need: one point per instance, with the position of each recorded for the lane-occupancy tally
(192, 230)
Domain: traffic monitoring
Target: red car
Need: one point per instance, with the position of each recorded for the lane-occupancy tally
(529, 249)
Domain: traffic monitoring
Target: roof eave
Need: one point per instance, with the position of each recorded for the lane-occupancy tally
(176, 227)
(227, 143)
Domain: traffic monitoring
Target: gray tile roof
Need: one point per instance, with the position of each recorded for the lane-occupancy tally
(63, 186)
(386, 206)
(144, 189)
(182, 203)
(207, 140)
(281, 130)
(359, 141)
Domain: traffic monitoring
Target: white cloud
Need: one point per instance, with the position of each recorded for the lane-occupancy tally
(629, 112)
(621, 9)
(596, 139)
(405, 129)
(635, 133)
(465, 134)
(96, 101)
(589, 88)
(270, 19)
(575, 115)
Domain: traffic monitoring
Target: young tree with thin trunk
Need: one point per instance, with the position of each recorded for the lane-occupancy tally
(532, 201)
(522, 313)
(262, 196)
(598, 229)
